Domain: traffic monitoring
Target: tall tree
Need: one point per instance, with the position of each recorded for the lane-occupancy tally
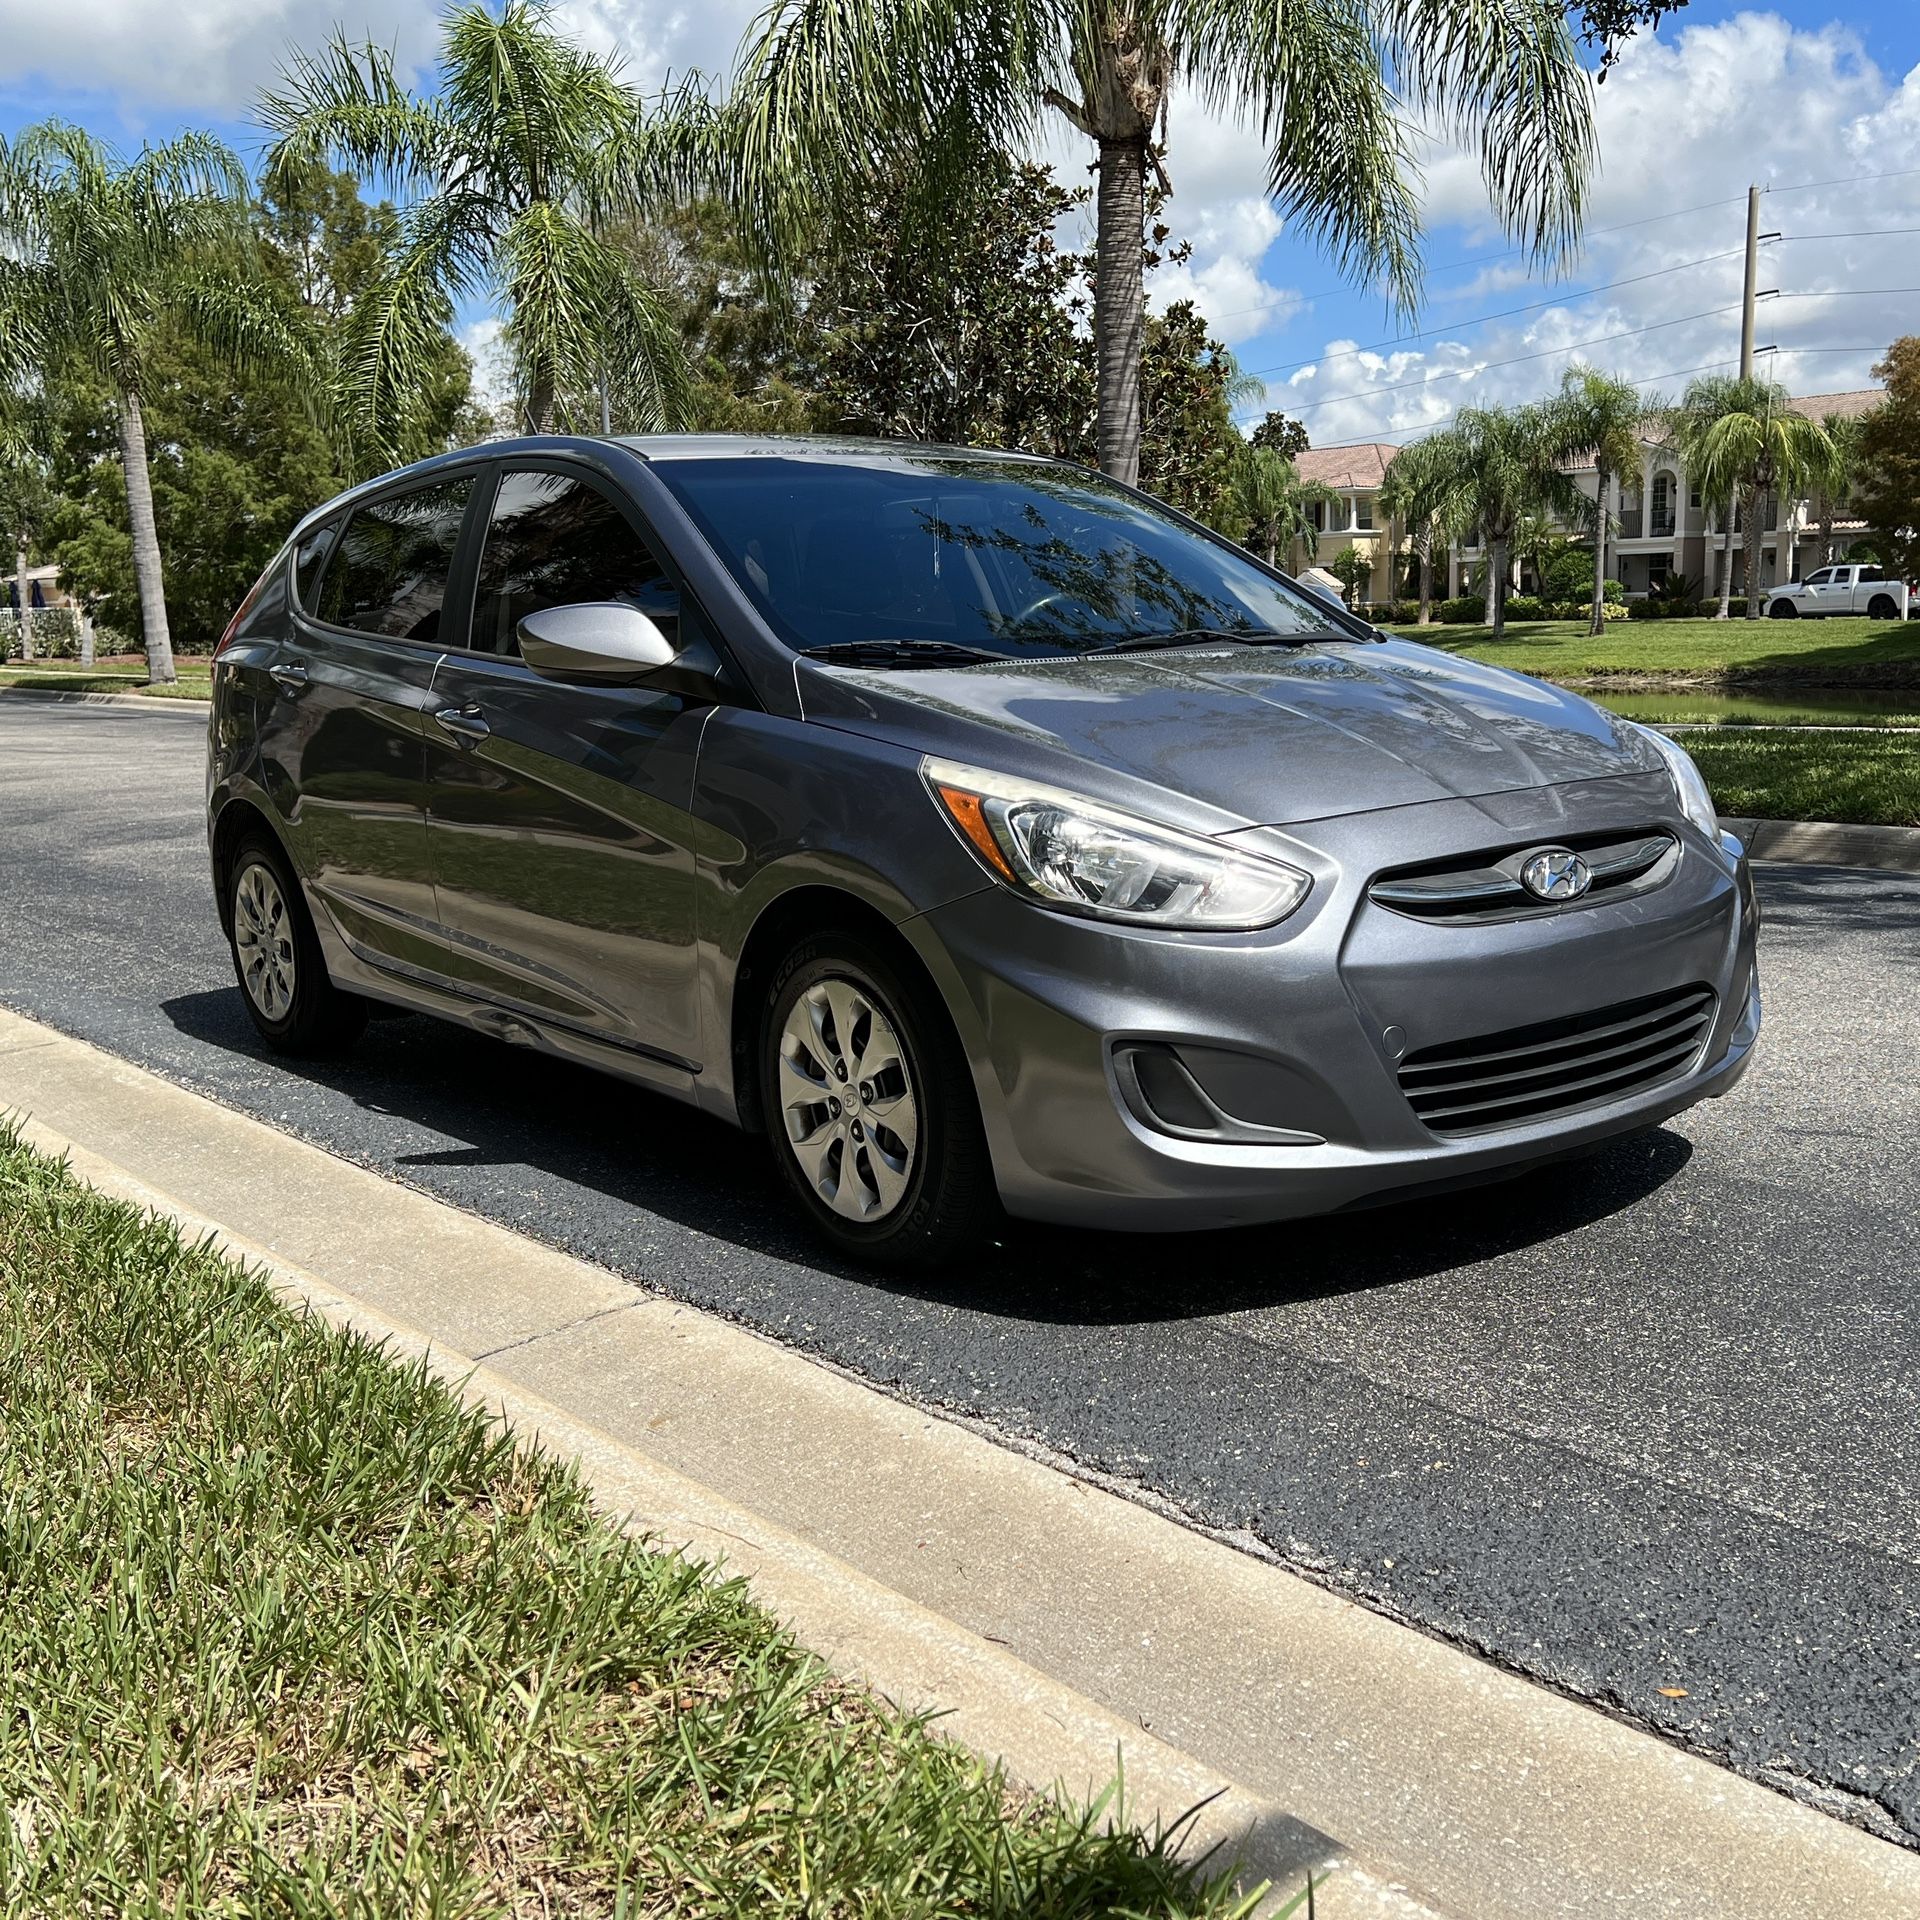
(1281, 432)
(1417, 492)
(1890, 460)
(833, 91)
(1499, 465)
(1599, 418)
(510, 177)
(107, 253)
(1742, 440)
(1275, 504)
(1835, 476)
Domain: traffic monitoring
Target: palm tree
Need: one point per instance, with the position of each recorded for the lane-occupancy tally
(1497, 466)
(831, 92)
(1835, 475)
(511, 174)
(1741, 440)
(1600, 419)
(1415, 493)
(100, 254)
(1275, 502)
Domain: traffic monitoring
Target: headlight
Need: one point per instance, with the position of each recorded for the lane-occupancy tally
(1695, 801)
(1079, 857)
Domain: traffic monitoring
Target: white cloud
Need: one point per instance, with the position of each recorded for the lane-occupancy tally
(207, 55)
(493, 383)
(1689, 117)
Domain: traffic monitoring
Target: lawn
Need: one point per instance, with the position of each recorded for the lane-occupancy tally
(64, 676)
(285, 1629)
(1870, 779)
(1808, 652)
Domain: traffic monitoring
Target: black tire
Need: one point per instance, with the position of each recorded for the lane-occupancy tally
(949, 1201)
(1783, 610)
(1883, 607)
(312, 1016)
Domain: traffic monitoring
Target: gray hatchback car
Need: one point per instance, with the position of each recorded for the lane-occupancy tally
(977, 829)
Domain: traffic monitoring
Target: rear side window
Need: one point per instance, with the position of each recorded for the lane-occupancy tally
(555, 540)
(389, 571)
(1871, 573)
(308, 558)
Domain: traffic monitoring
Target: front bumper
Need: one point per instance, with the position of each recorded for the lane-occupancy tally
(1316, 1011)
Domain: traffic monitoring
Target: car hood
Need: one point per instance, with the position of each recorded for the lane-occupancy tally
(1264, 735)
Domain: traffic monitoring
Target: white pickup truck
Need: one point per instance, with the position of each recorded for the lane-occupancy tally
(1849, 589)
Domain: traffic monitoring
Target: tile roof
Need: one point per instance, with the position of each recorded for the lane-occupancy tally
(1361, 465)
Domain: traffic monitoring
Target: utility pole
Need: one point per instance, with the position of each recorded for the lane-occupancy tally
(1752, 283)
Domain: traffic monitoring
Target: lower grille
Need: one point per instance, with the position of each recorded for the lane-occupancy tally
(1557, 1066)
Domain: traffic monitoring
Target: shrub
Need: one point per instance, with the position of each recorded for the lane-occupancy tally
(1526, 606)
(1467, 611)
(1613, 594)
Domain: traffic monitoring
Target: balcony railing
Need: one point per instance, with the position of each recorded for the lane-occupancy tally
(1629, 523)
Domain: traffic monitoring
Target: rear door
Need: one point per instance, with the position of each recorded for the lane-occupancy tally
(559, 817)
(348, 721)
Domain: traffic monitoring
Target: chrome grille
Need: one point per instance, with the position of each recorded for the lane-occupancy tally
(1484, 887)
(1557, 1066)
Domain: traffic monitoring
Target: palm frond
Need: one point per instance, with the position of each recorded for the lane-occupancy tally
(346, 104)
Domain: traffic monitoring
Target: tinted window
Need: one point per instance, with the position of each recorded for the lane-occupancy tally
(389, 572)
(1870, 573)
(309, 557)
(555, 540)
(1821, 578)
(1011, 557)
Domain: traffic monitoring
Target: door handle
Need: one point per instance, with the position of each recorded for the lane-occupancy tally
(290, 677)
(464, 723)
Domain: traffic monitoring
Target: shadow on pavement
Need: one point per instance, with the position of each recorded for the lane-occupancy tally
(503, 1107)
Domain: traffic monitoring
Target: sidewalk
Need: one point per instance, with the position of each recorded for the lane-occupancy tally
(1058, 1623)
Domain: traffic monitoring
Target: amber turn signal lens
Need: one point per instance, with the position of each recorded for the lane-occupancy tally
(970, 817)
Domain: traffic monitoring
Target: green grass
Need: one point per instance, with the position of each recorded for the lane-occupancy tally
(286, 1630)
(1810, 652)
(1862, 779)
(1772, 707)
(62, 677)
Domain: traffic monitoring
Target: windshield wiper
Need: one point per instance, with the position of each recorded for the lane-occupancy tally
(895, 653)
(1212, 636)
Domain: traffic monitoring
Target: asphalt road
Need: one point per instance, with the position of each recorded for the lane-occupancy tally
(1645, 1422)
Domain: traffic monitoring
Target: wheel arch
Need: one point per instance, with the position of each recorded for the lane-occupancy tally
(238, 818)
(800, 913)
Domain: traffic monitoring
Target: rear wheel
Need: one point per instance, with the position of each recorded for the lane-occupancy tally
(1784, 610)
(870, 1106)
(283, 977)
(1883, 607)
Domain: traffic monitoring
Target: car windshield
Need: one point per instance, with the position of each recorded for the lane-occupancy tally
(1007, 559)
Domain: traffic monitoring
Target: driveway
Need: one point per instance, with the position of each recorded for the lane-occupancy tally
(1644, 1428)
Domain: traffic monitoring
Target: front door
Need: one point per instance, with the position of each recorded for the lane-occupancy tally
(559, 817)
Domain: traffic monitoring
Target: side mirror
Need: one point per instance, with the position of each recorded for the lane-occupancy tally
(601, 643)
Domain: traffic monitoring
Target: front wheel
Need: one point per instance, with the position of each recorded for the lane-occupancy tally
(1784, 610)
(870, 1106)
(291, 999)
(1883, 607)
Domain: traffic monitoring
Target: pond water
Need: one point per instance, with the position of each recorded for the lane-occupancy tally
(1816, 707)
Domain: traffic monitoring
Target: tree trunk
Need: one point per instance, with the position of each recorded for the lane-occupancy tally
(1119, 303)
(1273, 547)
(1597, 624)
(1755, 505)
(1826, 540)
(1726, 565)
(20, 593)
(1424, 547)
(146, 543)
(540, 401)
(1497, 585)
(86, 634)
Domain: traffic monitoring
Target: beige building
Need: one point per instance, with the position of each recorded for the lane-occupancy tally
(1661, 527)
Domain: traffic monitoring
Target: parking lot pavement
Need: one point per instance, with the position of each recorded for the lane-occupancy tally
(1643, 1427)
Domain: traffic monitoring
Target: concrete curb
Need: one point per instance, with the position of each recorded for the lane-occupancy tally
(1059, 1624)
(145, 702)
(1824, 843)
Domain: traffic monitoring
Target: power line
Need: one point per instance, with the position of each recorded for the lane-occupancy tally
(1852, 179)
(1508, 313)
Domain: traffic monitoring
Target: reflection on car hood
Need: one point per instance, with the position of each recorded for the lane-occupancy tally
(1269, 735)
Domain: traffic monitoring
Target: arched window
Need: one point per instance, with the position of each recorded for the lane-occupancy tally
(1661, 519)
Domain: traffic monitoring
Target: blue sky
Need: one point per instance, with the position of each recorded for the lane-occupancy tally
(1791, 94)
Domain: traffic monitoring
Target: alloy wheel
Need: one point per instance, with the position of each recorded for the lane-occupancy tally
(263, 940)
(847, 1101)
